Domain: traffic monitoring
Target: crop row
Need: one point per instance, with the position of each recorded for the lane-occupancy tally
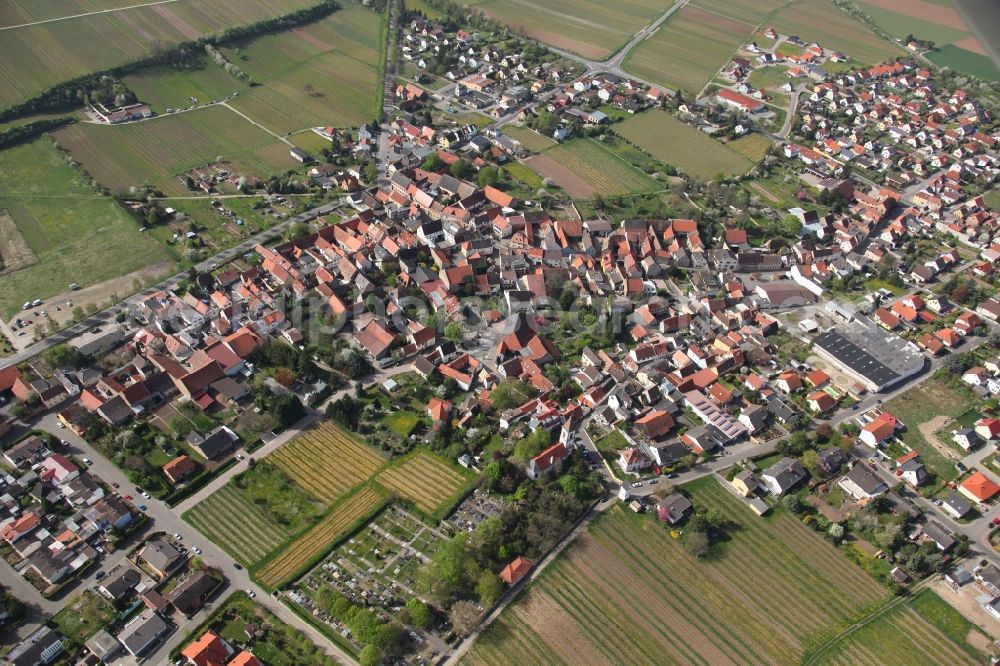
(320, 537)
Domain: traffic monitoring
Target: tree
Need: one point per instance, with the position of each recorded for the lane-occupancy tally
(287, 409)
(420, 613)
(309, 89)
(284, 376)
(489, 177)
(370, 656)
(530, 446)
(792, 503)
(65, 357)
(489, 588)
(696, 541)
(464, 617)
(453, 331)
(432, 162)
(836, 531)
(461, 169)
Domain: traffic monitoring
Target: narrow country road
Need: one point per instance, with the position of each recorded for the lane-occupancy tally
(74, 16)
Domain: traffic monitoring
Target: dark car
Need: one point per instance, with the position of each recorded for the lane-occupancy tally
(237, 565)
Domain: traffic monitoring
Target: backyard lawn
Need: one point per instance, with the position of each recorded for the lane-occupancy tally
(927, 405)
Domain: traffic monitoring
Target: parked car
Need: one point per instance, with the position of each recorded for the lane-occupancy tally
(99, 575)
(142, 507)
(251, 593)
(88, 461)
(177, 535)
(196, 550)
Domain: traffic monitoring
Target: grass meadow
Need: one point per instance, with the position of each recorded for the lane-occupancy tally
(75, 234)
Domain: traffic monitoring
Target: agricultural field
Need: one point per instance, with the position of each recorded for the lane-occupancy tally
(36, 57)
(165, 88)
(753, 146)
(326, 462)
(156, 151)
(923, 409)
(321, 74)
(57, 229)
(669, 140)
(529, 138)
(963, 60)
(821, 21)
(583, 168)
(426, 480)
(589, 28)
(523, 174)
(690, 48)
(941, 24)
(923, 630)
(254, 513)
(593, 605)
(318, 539)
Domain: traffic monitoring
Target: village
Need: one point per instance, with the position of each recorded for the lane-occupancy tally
(475, 349)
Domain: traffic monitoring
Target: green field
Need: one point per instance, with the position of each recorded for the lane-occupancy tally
(992, 199)
(669, 140)
(753, 146)
(627, 592)
(587, 27)
(254, 513)
(583, 167)
(157, 151)
(768, 78)
(165, 88)
(33, 58)
(524, 175)
(75, 234)
(966, 62)
(529, 138)
(688, 50)
(821, 21)
(899, 25)
(931, 399)
(923, 630)
(323, 74)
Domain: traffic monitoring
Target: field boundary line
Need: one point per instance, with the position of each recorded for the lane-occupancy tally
(624, 161)
(890, 605)
(76, 16)
(694, 3)
(250, 120)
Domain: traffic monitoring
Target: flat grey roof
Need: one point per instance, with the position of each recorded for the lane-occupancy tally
(856, 358)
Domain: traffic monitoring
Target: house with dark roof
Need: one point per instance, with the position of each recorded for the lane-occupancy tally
(862, 483)
(783, 475)
(189, 596)
(673, 508)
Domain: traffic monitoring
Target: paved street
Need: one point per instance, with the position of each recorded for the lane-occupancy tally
(108, 315)
(168, 520)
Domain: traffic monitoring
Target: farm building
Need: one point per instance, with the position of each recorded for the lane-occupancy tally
(738, 101)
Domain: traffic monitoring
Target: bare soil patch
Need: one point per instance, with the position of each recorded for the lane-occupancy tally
(964, 601)
(925, 11)
(972, 43)
(177, 22)
(312, 39)
(548, 167)
(563, 42)
(716, 20)
(929, 429)
(15, 253)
